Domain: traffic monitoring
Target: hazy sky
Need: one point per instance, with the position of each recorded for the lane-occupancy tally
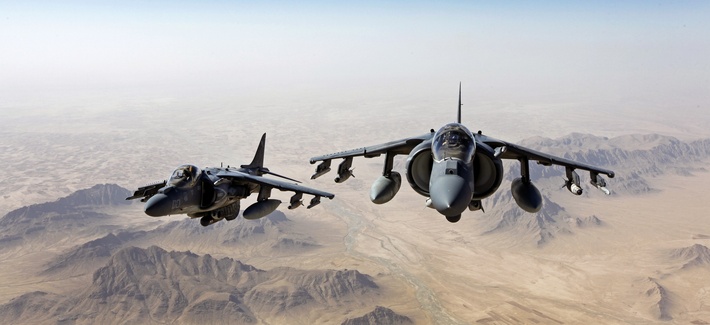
(656, 52)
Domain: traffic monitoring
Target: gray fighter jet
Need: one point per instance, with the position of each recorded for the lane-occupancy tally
(214, 193)
(456, 169)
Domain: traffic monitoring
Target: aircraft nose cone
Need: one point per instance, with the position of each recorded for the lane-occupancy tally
(158, 205)
(450, 194)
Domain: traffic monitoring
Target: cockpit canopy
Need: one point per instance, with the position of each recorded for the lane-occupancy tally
(453, 141)
(185, 175)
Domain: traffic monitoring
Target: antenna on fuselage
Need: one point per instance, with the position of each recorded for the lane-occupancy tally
(459, 119)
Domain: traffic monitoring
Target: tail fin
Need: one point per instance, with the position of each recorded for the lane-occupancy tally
(459, 119)
(258, 161)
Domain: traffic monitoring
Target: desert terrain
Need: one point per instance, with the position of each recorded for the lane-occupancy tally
(73, 251)
(99, 98)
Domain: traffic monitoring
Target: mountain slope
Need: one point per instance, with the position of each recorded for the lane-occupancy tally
(75, 214)
(268, 233)
(632, 157)
(380, 315)
(693, 256)
(153, 285)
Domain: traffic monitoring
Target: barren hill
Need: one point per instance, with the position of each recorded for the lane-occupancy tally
(694, 256)
(655, 299)
(153, 285)
(381, 315)
(504, 216)
(269, 233)
(76, 213)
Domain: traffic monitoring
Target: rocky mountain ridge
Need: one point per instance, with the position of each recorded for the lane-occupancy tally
(76, 212)
(266, 231)
(154, 285)
(632, 157)
(380, 315)
(504, 216)
(696, 255)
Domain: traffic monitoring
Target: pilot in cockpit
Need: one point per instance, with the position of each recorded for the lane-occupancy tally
(453, 141)
(183, 175)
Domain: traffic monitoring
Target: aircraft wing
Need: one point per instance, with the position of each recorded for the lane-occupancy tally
(273, 183)
(398, 147)
(403, 146)
(513, 151)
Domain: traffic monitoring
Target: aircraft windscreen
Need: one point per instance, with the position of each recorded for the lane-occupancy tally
(184, 175)
(453, 141)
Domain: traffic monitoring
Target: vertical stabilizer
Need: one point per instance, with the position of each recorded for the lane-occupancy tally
(459, 119)
(258, 161)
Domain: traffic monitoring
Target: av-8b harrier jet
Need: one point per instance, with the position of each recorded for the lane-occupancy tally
(214, 193)
(456, 169)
